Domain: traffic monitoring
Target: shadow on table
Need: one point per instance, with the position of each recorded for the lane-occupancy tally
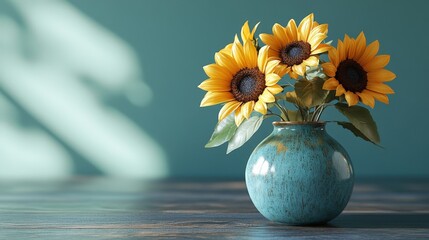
(385, 220)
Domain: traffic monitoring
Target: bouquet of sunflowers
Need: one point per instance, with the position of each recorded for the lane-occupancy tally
(250, 81)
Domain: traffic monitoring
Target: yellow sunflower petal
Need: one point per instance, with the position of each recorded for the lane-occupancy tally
(271, 79)
(360, 45)
(381, 75)
(227, 109)
(377, 62)
(227, 49)
(250, 54)
(379, 96)
(215, 85)
(346, 43)
(351, 98)
(267, 96)
(340, 90)
(213, 98)
(247, 109)
(238, 116)
(254, 30)
(273, 54)
(379, 87)
(329, 69)
(305, 27)
(217, 71)
(245, 31)
(275, 89)
(311, 61)
(341, 51)
(263, 58)
(333, 56)
(299, 69)
(236, 40)
(366, 98)
(238, 54)
(271, 65)
(321, 49)
(261, 107)
(323, 29)
(351, 48)
(293, 75)
(282, 70)
(271, 41)
(226, 61)
(280, 33)
(330, 84)
(316, 40)
(292, 30)
(369, 53)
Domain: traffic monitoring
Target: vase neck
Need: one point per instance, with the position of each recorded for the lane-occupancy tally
(299, 126)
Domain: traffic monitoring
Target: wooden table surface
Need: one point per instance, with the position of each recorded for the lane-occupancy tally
(101, 208)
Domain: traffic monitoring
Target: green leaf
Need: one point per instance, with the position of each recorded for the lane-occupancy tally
(292, 98)
(330, 97)
(244, 132)
(294, 115)
(329, 43)
(362, 120)
(223, 132)
(353, 129)
(315, 72)
(310, 92)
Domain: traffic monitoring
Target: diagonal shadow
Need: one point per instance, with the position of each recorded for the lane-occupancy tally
(381, 220)
(81, 165)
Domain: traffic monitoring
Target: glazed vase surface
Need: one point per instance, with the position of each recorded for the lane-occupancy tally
(299, 175)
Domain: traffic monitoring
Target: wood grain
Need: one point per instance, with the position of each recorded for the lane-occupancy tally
(101, 208)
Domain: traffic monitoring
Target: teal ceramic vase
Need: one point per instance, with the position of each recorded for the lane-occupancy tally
(299, 175)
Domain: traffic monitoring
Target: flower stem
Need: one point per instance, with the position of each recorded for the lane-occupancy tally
(301, 112)
(282, 109)
(271, 114)
(316, 113)
(319, 113)
(323, 107)
(286, 85)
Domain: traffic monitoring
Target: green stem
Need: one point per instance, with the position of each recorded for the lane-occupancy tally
(301, 112)
(319, 113)
(286, 85)
(283, 110)
(270, 113)
(323, 109)
(316, 112)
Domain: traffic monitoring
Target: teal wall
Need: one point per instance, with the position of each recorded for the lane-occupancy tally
(173, 40)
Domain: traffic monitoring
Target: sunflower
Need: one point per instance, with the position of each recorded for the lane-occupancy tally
(296, 47)
(244, 81)
(355, 71)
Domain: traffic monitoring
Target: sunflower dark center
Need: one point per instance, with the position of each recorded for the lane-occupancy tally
(351, 75)
(248, 84)
(295, 53)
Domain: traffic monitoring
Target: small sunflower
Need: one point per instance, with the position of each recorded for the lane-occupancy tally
(297, 47)
(244, 81)
(355, 71)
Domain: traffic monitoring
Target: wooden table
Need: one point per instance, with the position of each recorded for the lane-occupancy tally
(100, 208)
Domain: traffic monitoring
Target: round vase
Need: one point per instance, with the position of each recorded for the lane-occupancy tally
(299, 175)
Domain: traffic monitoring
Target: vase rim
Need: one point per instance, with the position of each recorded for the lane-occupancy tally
(291, 123)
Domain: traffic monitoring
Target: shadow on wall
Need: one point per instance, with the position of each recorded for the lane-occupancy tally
(58, 71)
